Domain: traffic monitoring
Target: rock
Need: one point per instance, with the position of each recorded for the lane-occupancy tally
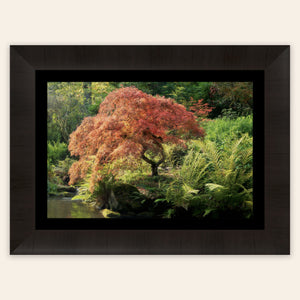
(145, 215)
(65, 188)
(66, 179)
(68, 194)
(62, 194)
(125, 197)
(108, 214)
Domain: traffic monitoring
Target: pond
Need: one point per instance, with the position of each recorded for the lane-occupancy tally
(67, 208)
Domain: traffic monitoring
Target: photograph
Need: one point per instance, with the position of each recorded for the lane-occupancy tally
(150, 150)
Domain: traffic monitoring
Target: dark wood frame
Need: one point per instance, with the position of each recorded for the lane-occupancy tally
(273, 239)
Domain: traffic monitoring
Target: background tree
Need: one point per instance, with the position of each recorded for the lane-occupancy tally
(87, 93)
(69, 103)
(181, 92)
(130, 124)
(232, 99)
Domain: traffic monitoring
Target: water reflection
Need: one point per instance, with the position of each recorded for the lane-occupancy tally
(67, 208)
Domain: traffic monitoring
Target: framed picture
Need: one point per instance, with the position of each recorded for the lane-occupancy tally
(150, 150)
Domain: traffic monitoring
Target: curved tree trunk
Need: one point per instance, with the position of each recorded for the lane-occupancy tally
(154, 168)
(154, 165)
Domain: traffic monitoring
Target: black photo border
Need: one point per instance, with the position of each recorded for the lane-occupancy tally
(43, 77)
(33, 65)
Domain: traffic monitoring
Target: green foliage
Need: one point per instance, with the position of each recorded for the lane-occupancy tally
(174, 155)
(219, 130)
(99, 90)
(153, 187)
(215, 179)
(133, 176)
(232, 99)
(63, 166)
(69, 103)
(51, 187)
(57, 174)
(182, 92)
(101, 191)
(57, 151)
(83, 192)
(52, 179)
(103, 188)
(66, 108)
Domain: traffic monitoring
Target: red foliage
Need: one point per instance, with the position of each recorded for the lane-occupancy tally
(200, 109)
(129, 122)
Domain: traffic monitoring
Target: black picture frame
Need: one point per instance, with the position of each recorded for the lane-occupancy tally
(28, 238)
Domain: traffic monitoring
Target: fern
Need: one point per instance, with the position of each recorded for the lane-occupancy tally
(215, 177)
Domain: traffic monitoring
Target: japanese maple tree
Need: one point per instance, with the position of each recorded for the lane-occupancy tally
(130, 124)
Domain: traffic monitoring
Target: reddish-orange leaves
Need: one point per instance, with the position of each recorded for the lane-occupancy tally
(200, 109)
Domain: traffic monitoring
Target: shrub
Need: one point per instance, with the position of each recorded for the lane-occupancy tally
(51, 187)
(62, 168)
(174, 155)
(56, 151)
(219, 130)
(215, 180)
(99, 193)
(52, 179)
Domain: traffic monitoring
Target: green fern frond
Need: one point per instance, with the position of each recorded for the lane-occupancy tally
(214, 186)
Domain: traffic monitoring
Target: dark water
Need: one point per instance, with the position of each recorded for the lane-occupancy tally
(67, 208)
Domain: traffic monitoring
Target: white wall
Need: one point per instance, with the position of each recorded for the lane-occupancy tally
(148, 22)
